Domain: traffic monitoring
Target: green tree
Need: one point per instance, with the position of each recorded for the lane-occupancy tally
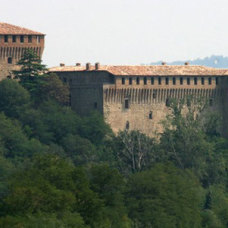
(163, 197)
(30, 64)
(135, 151)
(14, 98)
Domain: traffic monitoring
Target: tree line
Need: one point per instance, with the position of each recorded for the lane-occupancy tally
(58, 169)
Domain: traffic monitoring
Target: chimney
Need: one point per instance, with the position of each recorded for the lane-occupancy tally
(62, 64)
(78, 64)
(97, 66)
(88, 66)
(163, 63)
(186, 63)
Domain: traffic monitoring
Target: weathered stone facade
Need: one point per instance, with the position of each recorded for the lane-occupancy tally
(137, 97)
(14, 41)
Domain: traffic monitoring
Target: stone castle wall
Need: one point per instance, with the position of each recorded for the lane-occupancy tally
(142, 103)
(147, 108)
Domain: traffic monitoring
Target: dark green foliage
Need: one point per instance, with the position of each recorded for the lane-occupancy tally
(60, 170)
(163, 197)
(30, 65)
(14, 98)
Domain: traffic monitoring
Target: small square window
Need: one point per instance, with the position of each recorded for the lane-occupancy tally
(202, 81)
(22, 39)
(126, 103)
(5, 38)
(195, 81)
(145, 80)
(211, 102)
(209, 81)
(30, 39)
(188, 81)
(130, 81)
(38, 39)
(137, 80)
(10, 60)
(154, 95)
(127, 125)
(14, 39)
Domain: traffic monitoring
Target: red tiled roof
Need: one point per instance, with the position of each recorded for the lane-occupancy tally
(8, 29)
(161, 70)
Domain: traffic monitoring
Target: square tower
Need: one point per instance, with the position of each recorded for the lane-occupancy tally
(14, 40)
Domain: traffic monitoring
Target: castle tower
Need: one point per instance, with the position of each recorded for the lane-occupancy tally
(14, 40)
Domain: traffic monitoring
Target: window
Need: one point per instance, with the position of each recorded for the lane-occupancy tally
(154, 95)
(150, 115)
(5, 38)
(10, 60)
(14, 39)
(167, 102)
(217, 80)
(95, 105)
(174, 81)
(159, 81)
(152, 81)
(166, 81)
(145, 80)
(137, 80)
(181, 81)
(126, 104)
(130, 81)
(30, 39)
(209, 81)
(123, 81)
(127, 125)
(202, 81)
(38, 39)
(195, 81)
(22, 39)
(211, 102)
(188, 81)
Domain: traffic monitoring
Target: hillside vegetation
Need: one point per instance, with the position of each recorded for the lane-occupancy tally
(61, 170)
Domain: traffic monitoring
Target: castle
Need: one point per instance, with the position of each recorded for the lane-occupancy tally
(14, 40)
(137, 97)
(129, 97)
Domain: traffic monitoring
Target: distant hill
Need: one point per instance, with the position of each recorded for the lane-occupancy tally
(217, 61)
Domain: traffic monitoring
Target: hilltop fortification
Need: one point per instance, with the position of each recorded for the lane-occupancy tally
(137, 97)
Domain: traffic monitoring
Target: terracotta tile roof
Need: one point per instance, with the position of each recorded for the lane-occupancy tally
(161, 70)
(8, 29)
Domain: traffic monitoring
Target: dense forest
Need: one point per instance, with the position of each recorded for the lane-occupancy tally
(58, 169)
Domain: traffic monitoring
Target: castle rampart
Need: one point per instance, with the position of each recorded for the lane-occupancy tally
(138, 97)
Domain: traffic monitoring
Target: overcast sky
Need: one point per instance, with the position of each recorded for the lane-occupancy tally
(123, 31)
